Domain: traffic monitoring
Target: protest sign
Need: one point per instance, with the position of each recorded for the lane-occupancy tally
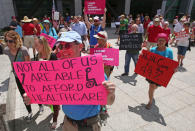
(182, 34)
(56, 15)
(110, 55)
(95, 6)
(51, 41)
(156, 68)
(130, 41)
(76, 81)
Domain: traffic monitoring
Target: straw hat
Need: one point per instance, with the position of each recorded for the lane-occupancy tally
(26, 19)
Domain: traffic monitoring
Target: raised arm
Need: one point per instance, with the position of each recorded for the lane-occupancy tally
(86, 20)
(104, 19)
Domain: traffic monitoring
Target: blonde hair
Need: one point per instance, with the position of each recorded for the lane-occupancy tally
(15, 36)
(46, 48)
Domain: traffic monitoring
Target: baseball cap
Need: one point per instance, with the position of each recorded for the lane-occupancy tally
(70, 36)
(156, 19)
(46, 21)
(96, 18)
(101, 35)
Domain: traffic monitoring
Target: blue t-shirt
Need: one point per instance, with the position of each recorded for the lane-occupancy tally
(52, 32)
(168, 53)
(80, 112)
(93, 31)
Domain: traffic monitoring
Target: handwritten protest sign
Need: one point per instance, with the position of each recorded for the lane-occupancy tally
(95, 6)
(156, 68)
(74, 81)
(110, 55)
(49, 39)
(130, 41)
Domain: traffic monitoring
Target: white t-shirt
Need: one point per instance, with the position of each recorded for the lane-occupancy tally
(183, 38)
(178, 27)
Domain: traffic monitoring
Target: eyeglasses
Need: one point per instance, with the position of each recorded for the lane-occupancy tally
(9, 41)
(66, 46)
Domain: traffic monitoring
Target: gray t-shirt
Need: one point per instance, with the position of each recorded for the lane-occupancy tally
(20, 57)
(21, 54)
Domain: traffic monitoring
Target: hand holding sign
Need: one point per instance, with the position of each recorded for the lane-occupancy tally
(95, 6)
(110, 55)
(156, 68)
(74, 81)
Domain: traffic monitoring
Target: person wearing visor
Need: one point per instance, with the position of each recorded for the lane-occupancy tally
(162, 50)
(49, 30)
(102, 38)
(79, 117)
(96, 27)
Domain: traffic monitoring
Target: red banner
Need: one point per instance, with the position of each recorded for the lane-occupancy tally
(156, 68)
(95, 6)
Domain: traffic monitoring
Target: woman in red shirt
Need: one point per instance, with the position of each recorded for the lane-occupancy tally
(167, 30)
(146, 22)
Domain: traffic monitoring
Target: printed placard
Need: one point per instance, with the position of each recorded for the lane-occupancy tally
(130, 41)
(56, 15)
(51, 41)
(156, 68)
(110, 55)
(95, 6)
(182, 34)
(76, 81)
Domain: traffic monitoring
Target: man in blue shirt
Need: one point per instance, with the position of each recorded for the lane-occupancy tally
(95, 28)
(80, 28)
(79, 117)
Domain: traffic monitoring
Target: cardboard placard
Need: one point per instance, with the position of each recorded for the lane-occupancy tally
(76, 81)
(182, 34)
(156, 68)
(110, 55)
(130, 41)
(51, 41)
(56, 15)
(95, 6)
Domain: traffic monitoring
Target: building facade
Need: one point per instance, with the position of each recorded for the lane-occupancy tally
(39, 8)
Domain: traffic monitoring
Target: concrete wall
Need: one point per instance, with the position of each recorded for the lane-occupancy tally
(7, 10)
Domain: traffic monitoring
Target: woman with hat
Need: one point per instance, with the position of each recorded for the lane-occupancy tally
(102, 43)
(49, 30)
(29, 31)
(162, 50)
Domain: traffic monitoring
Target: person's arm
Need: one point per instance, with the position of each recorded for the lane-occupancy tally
(86, 20)
(110, 87)
(55, 35)
(25, 53)
(27, 58)
(103, 24)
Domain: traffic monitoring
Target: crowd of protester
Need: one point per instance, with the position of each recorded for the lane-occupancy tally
(85, 33)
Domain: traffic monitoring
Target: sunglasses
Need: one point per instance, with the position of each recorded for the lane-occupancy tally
(66, 46)
(9, 41)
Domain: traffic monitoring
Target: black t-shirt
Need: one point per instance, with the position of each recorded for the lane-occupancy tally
(52, 57)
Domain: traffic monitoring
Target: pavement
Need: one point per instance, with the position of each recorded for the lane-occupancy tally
(173, 108)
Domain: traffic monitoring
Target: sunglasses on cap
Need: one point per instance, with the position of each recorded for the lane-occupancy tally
(96, 20)
(9, 41)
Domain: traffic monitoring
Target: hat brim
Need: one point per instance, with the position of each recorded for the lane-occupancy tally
(68, 40)
(25, 21)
